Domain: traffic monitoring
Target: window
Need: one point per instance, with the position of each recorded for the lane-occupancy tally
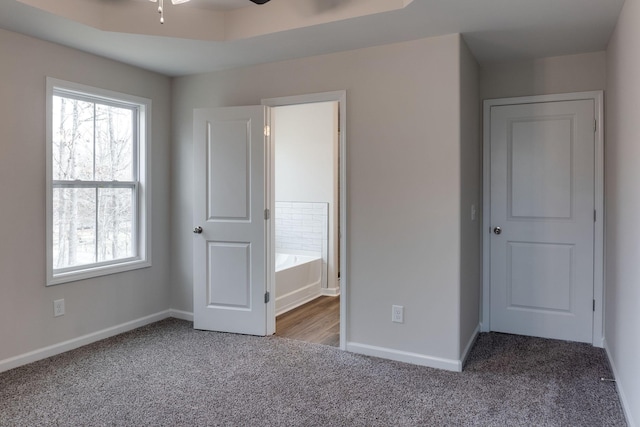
(97, 185)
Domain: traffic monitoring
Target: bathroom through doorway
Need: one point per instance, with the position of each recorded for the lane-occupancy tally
(306, 193)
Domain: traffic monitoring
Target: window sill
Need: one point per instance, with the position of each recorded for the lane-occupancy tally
(91, 272)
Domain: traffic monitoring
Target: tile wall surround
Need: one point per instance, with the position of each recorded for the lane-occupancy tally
(301, 226)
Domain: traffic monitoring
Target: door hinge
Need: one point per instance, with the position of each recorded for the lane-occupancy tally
(594, 215)
(267, 297)
(594, 305)
(267, 214)
(595, 125)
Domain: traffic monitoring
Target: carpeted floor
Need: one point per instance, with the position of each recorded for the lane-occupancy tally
(167, 374)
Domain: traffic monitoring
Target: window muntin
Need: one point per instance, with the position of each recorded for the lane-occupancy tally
(97, 199)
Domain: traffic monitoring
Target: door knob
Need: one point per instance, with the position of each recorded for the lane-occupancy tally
(497, 230)
(197, 230)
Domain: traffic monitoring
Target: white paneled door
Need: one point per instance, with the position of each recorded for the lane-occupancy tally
(230, 270)
(542, 219)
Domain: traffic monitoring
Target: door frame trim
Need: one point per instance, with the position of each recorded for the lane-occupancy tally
(340, 97)
(598, 247)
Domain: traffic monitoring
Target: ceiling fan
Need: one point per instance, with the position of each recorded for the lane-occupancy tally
(161, 5)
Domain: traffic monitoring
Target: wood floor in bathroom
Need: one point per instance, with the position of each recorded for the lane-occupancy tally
(317, 321)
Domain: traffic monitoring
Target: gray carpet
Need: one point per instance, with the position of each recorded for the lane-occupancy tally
(168, 374)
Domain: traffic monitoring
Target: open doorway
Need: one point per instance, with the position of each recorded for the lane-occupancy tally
(306, 195)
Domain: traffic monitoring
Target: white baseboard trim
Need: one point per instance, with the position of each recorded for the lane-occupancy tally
(330, 292)
(626, 405)
(484, 327)
(469, 346)
(52, 350)
(179, 314)
(405, 356)
(599, 342)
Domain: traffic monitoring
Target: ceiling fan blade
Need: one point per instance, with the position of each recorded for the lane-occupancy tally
(259, 1)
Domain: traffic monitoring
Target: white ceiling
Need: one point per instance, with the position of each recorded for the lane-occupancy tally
(494, 30)
(217, 4)
(214, 4)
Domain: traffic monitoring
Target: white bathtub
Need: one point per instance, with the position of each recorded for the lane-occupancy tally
(298, 280)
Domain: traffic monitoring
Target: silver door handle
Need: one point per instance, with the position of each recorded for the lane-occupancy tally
(197, 230)
(497, 230)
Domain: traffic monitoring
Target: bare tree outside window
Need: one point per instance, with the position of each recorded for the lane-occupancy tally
(94, 181)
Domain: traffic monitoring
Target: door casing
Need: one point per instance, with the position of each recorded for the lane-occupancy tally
(341, 98)
(598, 254)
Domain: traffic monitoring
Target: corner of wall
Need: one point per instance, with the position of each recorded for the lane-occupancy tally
(470, 200)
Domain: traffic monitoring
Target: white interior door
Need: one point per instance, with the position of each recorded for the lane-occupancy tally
(230, 270)
(542, 200)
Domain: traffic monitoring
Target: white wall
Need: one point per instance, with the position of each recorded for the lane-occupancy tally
(306, 163)
(558, 74)
(26, 308)
(622, 201)
(470, 195)
(403, 180)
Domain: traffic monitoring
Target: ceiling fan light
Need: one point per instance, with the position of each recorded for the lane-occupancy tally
(178, 1)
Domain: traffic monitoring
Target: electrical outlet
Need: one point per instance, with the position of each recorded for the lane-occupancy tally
(58, 308)
(397, 313)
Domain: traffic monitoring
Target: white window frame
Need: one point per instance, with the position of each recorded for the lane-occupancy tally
(142, 204)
